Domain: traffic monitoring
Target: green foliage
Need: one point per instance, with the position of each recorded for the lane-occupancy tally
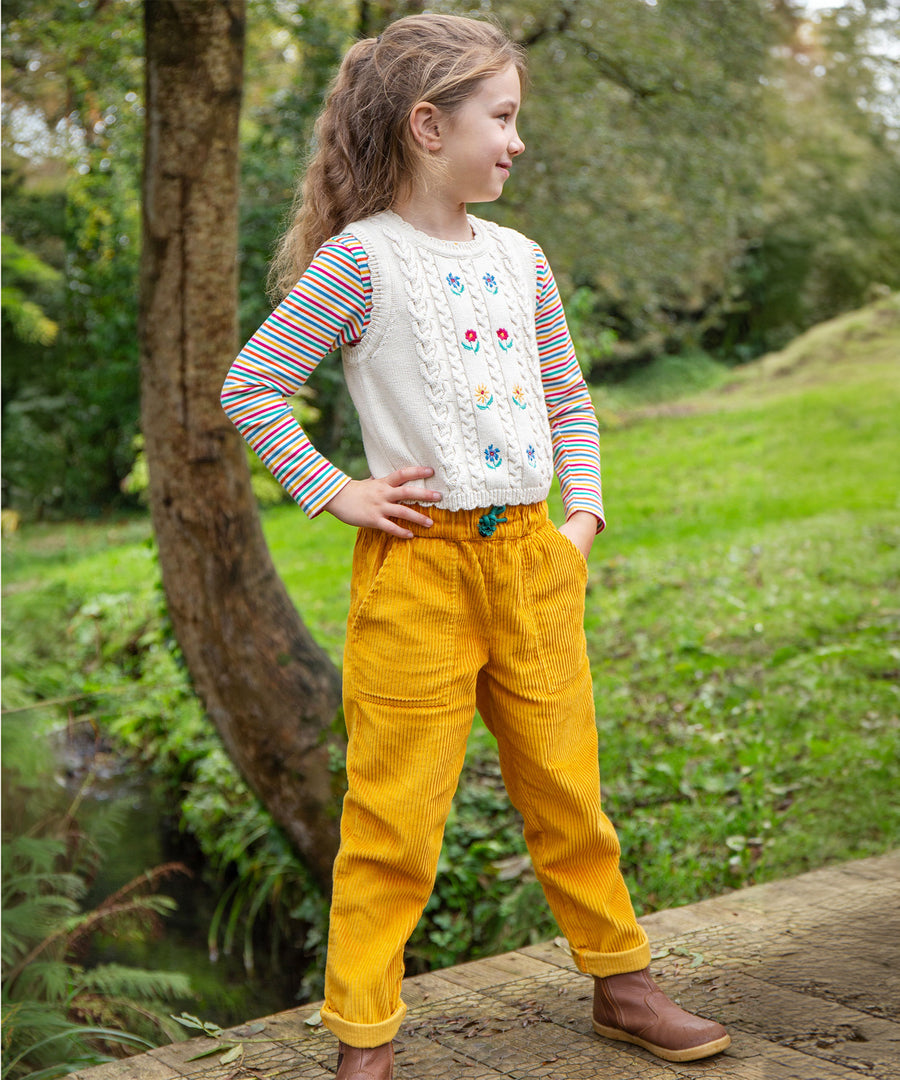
(57, 1013)
(23, 270)
(71, 175)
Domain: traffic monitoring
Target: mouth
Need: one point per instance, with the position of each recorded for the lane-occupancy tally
(505, 166)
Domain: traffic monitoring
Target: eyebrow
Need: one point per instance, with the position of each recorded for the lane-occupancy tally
(507, 103)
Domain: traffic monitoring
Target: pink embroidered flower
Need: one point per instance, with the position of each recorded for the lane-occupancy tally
(503, 334)
(471, 341)
(504, 339)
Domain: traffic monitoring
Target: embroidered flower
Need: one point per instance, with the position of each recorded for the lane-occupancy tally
(456, 286)
(518, 396)
(492, 457)
(471, 341)
(483, 397)
(532, 456)
(490, 283)
(504, 339)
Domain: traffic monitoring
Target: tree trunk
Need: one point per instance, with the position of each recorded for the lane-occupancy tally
(266, 685)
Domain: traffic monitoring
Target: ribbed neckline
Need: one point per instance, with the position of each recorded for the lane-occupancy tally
(434, 243)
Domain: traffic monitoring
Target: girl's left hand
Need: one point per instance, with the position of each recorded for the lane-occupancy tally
(581, 528)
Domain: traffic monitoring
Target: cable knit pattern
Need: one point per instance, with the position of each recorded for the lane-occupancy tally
(458, 376)
(436, 391)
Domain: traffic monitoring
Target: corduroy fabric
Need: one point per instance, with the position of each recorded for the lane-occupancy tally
(439, 624)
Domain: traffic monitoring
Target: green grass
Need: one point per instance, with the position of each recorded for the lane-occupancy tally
(742, 612)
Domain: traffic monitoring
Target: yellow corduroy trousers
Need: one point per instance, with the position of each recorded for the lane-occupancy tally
(438, 625)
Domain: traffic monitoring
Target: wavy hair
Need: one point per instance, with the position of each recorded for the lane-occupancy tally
(365, 156)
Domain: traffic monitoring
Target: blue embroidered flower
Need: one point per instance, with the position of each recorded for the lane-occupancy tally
(490, 283)
(456, 286)
(532, 456)
(471, 341)
(492, 457)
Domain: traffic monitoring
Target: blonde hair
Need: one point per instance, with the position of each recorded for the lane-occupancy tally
(365, 154)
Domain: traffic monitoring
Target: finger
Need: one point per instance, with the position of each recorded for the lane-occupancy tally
(410, 472)
(408, 513)
(413, 495)
(389, 526)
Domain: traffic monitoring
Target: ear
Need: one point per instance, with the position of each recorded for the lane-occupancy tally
(425, 122)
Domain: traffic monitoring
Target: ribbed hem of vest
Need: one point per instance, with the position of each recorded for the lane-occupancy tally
(365, 1036)
(484, 498)
(605, 964)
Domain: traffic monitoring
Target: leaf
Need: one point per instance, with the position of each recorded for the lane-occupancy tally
(233, 1054)
(188, 1021)
(314, 1020)
(561, 943)
(213, 1050)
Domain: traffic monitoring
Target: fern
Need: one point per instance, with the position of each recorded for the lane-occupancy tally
(119, 981)
(56, 1015)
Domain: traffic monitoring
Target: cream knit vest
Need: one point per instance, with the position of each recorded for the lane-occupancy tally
(447, 373)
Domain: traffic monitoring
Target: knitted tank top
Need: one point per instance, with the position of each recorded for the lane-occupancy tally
(447, 373)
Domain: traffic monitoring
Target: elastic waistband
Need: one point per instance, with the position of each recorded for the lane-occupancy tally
(464, 524)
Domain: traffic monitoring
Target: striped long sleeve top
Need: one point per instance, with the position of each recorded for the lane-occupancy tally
(347, 299)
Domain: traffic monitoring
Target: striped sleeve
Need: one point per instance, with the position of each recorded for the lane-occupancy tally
(573, 423)
(328, 307)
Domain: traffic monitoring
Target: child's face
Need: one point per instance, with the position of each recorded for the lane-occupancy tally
(479, 141)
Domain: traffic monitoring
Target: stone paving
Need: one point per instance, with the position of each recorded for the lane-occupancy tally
(805, 973)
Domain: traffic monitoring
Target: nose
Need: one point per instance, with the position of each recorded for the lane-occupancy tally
(516, 145)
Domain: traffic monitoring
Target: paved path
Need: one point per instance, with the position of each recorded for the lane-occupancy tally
(804, 972)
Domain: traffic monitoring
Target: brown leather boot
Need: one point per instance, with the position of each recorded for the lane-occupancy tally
(374, 1063)
(632, 1008)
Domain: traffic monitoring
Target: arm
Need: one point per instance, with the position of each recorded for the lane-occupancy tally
(328, 307)
(573, 423)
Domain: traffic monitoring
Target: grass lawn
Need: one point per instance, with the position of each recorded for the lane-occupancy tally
(742, 613)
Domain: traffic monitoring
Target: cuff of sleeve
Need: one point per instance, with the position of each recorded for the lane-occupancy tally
(314, 502)
(592, 508)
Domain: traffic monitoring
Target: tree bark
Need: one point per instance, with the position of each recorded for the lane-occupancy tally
(270, 690)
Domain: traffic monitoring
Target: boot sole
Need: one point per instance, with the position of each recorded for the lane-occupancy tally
(690, 1053)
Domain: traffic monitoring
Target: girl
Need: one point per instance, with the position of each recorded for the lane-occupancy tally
(464, 595)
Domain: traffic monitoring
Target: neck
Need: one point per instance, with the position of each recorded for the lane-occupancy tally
(438, 219)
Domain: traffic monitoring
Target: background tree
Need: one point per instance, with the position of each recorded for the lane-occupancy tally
(71, 165)
(269, 689)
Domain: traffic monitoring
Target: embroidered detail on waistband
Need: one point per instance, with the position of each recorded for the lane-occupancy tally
(488, 522)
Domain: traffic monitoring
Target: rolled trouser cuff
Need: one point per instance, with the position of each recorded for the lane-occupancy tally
(364, 1036)
(605, 964)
